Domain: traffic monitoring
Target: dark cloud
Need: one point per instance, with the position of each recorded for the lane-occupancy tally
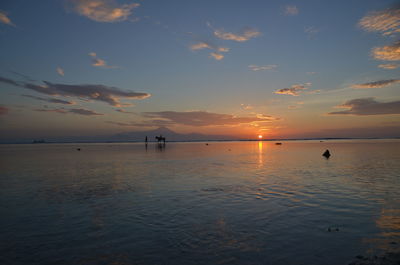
(8, 81)
(149, 123)
(376, 131)
(203, 118)
(63, 111)
(376, 84)
(103, 93)
(27, 78)
(124, 111)
(51, 100)
(3, 110)
(368, 106)
(84, 112)
(110, 95)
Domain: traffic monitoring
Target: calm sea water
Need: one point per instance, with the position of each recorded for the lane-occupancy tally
(192, 203)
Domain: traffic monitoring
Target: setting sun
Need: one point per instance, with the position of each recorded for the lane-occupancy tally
(260, 136)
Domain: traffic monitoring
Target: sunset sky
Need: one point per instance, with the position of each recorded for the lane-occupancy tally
(282, 69)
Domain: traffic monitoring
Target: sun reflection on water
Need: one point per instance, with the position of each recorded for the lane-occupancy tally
(260, 153)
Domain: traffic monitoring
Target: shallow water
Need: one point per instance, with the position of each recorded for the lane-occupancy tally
(192, 203)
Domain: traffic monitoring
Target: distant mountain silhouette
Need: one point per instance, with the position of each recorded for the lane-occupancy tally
(135, 136)
(169, 134)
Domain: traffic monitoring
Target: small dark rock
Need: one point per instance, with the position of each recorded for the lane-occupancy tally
(78, 149)
(326, 154)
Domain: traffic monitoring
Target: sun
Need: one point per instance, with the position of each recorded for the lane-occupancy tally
(260, 136)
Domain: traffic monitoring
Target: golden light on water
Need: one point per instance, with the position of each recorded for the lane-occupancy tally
(260, 153)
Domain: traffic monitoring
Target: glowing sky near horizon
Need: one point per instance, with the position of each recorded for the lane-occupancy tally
(280, 69)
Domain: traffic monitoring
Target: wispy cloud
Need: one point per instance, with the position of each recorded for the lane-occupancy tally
(262, 67)
(205, 45)
(51, 100)
(125, 111)
(368, 106)
(27, 78)
(102, 93)
(389, 66)
(294, 90)
(3, 110)
(242, 36)
(97, 62)
(8, 81)
(216, 56)
(203, 118)
(5, 19)
(200, 45)
(107, 94)
(388, 52)
(387, 21)
(246, 106)
(84, 112)
(103, 10)
(311, 31)
(298, 105)
(60, 71)
(148, 123)
(291, 10)
(376, 84)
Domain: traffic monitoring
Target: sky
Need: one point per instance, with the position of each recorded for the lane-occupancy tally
(280, 69)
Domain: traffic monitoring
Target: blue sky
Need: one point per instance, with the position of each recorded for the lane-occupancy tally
(276, 68)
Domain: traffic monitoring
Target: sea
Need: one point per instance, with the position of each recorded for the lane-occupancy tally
(254, 202)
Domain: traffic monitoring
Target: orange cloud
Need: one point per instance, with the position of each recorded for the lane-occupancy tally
(387, 53)
(294, 90)
(389, 66)
(103, 10)
(245, 35)
(97, 62)
(5, 19)
(386, 21)
(217, 56)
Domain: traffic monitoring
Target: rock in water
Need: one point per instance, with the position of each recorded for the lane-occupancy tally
(327, 154)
